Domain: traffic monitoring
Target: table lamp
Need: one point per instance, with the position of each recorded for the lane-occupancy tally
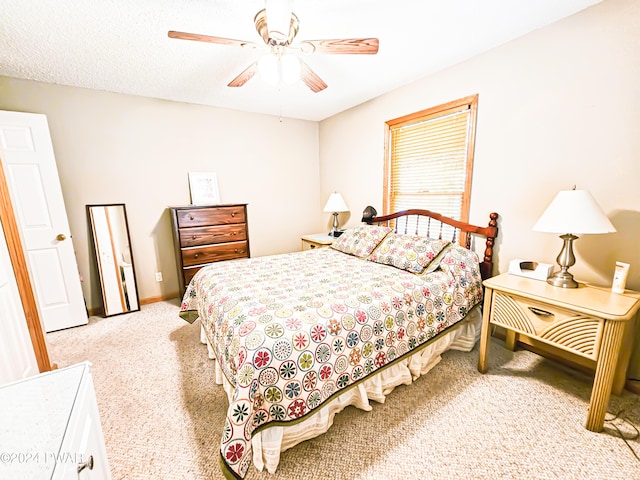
(573, 211)
(335, 205)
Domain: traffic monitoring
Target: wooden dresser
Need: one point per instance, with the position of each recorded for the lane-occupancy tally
(203, 234)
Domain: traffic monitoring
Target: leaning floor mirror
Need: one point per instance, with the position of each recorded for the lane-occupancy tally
(112, 248)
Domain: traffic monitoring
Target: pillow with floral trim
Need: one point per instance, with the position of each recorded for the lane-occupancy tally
(408, 252)
(361, 240)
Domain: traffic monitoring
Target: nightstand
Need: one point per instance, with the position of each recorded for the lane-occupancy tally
(587, 322)
(316, 240)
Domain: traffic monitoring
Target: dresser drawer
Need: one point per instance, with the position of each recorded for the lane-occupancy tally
(214, 253)
(194, 236)
(189, 272)
(199, 217)
(557, 326)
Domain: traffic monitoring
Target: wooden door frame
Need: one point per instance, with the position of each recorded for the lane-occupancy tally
(19, 263)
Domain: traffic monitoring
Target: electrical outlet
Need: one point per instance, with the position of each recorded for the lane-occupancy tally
(158, 276)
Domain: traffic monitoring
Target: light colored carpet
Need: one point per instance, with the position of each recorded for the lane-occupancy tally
(162, 414)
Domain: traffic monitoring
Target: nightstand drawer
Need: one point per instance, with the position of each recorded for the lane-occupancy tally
(317, 240)
(312, 245)
(557, 326)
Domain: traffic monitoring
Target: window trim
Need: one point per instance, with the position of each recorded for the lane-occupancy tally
(466, 103)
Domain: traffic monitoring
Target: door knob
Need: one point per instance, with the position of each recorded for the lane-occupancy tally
(88, 464)
(61, 237)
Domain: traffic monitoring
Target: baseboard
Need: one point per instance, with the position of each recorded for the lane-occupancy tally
(159, 298)
(633, 386)
(96, 312)
(99, 311)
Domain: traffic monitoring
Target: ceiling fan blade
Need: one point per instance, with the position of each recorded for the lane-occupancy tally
(310, 78)
(368, 46)
(209, 39)
(246, 75)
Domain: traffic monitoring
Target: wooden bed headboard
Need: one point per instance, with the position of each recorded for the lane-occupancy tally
(434, 225)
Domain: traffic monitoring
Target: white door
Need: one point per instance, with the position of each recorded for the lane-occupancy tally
(36, 195)
(17, 359)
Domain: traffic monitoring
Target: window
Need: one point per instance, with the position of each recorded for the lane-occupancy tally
(429, 159)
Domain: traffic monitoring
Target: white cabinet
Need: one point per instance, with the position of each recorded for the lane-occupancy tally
(50, 428)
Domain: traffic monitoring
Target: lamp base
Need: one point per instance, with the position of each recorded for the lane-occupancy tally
(562, 279)
(334, 228)
(565, 259)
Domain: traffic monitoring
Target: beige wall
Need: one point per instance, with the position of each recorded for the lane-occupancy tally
(113, 148)
(558, 107)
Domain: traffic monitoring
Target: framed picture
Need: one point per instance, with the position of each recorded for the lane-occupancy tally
(204, 188)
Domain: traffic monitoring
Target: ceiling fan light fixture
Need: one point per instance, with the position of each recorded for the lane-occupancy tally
(290, 66)
(278, 35)
(269, 69)
(278, 14)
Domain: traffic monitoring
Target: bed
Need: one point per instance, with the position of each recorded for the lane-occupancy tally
(295, 338)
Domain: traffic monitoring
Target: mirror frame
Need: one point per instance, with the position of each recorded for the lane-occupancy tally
(124, 304)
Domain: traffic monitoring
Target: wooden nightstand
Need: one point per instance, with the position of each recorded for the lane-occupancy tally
(316, 240)
(586, 322)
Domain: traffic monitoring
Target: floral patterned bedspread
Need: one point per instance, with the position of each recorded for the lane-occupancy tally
(290, 331)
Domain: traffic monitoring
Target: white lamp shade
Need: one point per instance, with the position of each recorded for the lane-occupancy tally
(576, 212)
(290, 66)
(336, 204)
(268, 68)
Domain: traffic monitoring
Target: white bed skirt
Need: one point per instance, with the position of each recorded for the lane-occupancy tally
(268, 443)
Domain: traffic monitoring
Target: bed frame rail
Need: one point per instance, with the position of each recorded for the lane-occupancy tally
(434, 225)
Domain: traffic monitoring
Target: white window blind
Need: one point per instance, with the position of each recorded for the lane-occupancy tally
(429, 162)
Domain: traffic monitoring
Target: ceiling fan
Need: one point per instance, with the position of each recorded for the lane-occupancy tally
(278, 35)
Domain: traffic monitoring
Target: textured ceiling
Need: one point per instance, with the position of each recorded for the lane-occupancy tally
(122, 46)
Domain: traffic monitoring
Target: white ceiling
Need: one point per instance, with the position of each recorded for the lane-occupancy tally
(122, 46)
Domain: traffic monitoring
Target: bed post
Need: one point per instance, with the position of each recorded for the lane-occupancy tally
(486, 266)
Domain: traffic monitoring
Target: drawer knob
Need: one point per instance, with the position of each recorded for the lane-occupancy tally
(235, 250)
(233, 214)
(190, 217)
(194, 237)
(540, 312)
(196, 255)
(88, 464)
